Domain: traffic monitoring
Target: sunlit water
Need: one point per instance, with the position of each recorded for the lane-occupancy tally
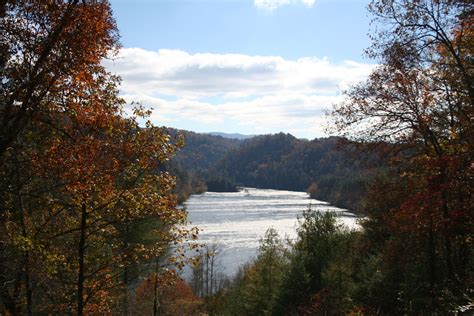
(236, 222)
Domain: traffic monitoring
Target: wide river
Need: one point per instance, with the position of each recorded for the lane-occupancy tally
(236, 222)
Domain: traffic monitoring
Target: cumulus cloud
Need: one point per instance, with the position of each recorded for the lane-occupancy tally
(176, 72)
(275, 4)
(259, 94)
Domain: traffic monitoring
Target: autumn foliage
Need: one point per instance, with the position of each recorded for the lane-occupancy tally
(88, 213)
(84, 207)
(421, 99)
(414, 252)
(170, 294)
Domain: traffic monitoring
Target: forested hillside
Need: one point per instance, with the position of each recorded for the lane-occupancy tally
(202, 151)
(330, 169)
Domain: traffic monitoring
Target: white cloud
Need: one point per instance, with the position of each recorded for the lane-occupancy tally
(258, 94)
(175, 72)
(308, 3)
(275, 4)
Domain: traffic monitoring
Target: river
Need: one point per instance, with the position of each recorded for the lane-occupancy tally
(236, 221)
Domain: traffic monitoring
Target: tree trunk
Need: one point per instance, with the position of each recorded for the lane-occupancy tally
(81, 253)
(125, 299)
(432, 263)
(156, 303)
(26, 272)
(212, 275)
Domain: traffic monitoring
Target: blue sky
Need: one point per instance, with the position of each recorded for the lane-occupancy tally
(256, 66)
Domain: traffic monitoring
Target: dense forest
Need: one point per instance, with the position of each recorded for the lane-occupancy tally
(330, 169)
(89, 215)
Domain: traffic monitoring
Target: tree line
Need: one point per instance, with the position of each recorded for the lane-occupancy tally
(330, 169)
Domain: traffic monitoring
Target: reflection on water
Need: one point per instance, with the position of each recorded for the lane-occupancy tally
(237, 221)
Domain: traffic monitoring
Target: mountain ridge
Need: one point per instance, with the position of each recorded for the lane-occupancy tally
(231, 135)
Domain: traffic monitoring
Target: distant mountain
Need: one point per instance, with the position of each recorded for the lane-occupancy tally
(231, 136)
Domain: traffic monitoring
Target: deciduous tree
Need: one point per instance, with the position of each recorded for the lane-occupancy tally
(76, 174)
(421, 99)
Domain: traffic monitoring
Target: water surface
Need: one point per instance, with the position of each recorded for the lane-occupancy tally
(237, 221)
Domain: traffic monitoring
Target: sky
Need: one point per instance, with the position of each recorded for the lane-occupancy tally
(241, 66)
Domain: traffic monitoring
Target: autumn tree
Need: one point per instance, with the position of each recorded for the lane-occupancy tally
(77, 176)
(420, 99)
(46, 51)
(102, 179)
(176, 296)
